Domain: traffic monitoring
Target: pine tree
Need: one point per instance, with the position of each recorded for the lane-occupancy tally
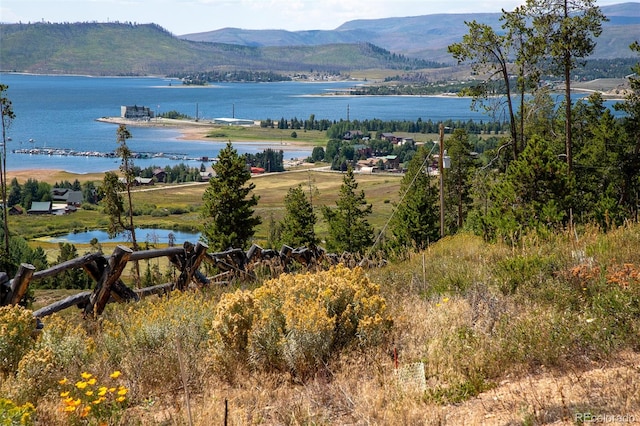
(349, 229)
(457, 180)
(228, 209)
(71, 278)
(299, 220)
(417, 218)
(631, 164)
(112, 202)
(535, 192)
(126, 167)
(567, 29)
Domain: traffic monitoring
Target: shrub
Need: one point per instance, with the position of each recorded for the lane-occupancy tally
(142, 340)
(70, 344)
(17, 326)
(297, 322)
(35, 375)
(160, 213)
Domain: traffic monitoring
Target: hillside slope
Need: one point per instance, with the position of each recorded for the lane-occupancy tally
(128, 49)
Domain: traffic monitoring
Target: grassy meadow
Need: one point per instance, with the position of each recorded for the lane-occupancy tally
(381, 190)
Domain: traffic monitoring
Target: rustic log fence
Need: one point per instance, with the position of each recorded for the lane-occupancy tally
(107, 270)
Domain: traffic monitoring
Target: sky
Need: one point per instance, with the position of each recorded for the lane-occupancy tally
(195, 16)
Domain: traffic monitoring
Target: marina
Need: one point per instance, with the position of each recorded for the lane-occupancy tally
(66, 152)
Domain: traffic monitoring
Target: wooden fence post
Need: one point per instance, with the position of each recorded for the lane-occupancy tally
(119, 290)
(189, 264)
(110, 275)
(20, 283)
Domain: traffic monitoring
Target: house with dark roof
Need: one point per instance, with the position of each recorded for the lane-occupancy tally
(67, 196)
(40, 207)
(352, 134)
(16, 210)
(135, 112)
(159, 175)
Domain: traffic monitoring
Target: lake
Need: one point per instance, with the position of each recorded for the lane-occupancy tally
(143, 235)
(60, 112)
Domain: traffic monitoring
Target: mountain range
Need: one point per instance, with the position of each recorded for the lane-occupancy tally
(396, 44)
(426, 36)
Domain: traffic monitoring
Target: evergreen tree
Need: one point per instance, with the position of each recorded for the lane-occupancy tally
(228, 209)
(71, 278)
(631, 164)
(457, 180)
(299, 220)
(89, 192)
(349, 229)
(489, 54)
(15, 193)
(112, 202)
(416, 222)
(567, 30)
(535, 192)
(600, 151)
(126, 167)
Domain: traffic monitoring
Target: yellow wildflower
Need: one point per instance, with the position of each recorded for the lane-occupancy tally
(69, 408)
(120, 399)
(115, 374)
(92, 381)
(102, 391)
(112, 390)
(85, 411)
(81, 385)
(89, 393)
(86, 375)
(122, 391)
(64, 394)
(63, 381)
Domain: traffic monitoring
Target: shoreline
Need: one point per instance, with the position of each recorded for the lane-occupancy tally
(189, 131)
(199, 131)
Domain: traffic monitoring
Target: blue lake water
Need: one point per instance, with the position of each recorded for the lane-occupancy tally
(61, 112)
(143, 235)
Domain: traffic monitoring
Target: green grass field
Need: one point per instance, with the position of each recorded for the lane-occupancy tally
(381, 190)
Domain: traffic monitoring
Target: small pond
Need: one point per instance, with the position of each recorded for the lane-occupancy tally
(143, 235)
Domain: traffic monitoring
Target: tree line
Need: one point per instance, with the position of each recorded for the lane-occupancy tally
(203, 77)
(373, 127)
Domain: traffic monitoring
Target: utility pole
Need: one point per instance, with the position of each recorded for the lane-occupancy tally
(441, 174)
